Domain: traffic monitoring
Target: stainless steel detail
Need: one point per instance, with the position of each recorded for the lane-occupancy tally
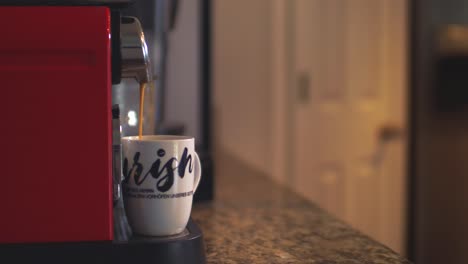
(135, 57)
(116, 152)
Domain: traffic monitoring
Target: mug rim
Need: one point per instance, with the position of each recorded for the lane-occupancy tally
(158, 138)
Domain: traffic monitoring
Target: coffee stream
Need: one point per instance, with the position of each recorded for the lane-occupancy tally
(140, 114)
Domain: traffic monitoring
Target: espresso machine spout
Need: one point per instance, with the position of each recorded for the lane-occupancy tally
(135, 57)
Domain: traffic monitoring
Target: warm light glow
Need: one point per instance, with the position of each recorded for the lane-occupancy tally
(132, 118)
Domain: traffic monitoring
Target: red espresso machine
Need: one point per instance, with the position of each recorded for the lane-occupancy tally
(58, 61)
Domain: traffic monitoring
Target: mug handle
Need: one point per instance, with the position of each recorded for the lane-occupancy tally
(198, 172)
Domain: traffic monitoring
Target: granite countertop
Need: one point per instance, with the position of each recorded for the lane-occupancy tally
(254, 220)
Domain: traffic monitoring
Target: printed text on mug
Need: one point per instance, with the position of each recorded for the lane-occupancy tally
(164, 174)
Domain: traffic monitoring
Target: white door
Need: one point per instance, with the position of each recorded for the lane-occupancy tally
(349, 111)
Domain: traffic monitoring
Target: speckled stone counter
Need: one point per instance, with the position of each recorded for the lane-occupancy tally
(253, 220)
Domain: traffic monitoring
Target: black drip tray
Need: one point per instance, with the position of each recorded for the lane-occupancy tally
(185, 248)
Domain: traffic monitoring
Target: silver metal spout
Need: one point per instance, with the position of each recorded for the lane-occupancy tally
(135, 57)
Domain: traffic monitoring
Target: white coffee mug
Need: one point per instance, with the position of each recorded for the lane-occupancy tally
(161, 174)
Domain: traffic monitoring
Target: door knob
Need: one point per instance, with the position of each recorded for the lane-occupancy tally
(389, 132)
(386, 134)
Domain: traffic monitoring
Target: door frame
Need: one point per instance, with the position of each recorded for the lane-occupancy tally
(413, 11)
(283, 91)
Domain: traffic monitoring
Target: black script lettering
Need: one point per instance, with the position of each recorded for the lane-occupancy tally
(161, 153)
(125, 171)
(167, 180)
(139, 170)
(164, 174)
(184, 161)
(136, 169)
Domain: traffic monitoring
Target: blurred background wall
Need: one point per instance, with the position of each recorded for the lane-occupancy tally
(242, 79)
(183, 92)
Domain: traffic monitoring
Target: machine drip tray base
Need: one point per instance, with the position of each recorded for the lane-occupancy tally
(187, 247)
